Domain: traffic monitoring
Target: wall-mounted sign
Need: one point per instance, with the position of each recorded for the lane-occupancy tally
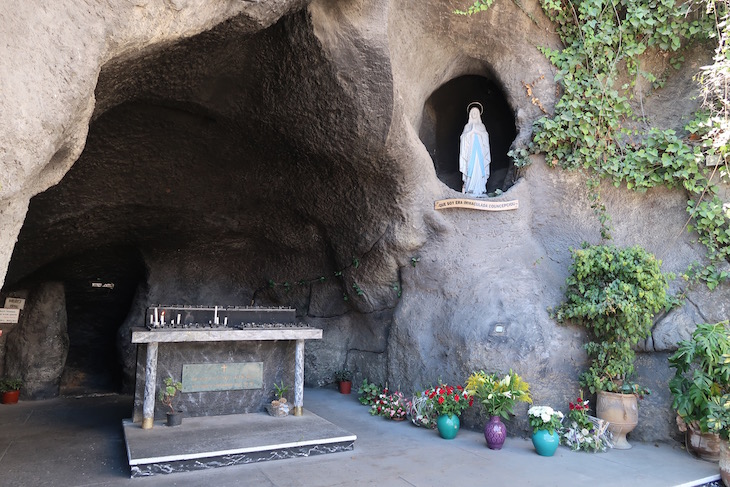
(477, 204)
(9, 315)
(14, 303)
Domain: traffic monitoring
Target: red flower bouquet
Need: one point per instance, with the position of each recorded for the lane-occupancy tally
(448, 399)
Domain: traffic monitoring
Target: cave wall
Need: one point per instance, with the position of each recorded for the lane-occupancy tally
(257, 142)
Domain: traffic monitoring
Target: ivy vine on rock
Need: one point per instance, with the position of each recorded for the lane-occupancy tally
(594, 126)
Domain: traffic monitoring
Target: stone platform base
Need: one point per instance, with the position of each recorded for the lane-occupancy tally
(219, 441)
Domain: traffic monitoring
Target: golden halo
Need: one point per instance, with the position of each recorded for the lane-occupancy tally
(481, 108)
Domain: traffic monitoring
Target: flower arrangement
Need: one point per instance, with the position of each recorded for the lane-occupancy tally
(498, 395)
(390, 406)
(422, 412)
(584, 432)
(545, 418)
(448, 399)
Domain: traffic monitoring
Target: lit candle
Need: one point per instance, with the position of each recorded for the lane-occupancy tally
(162, 316)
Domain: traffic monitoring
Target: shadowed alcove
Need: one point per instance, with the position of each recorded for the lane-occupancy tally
(444, 117)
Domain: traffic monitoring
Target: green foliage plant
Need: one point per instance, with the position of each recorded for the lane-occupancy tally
(594, 126)
(8, 384)
(280, 390)
(718, 420)
(702, 374)
(343, 375)
(169, 391)
(369, 392)
(614, 293)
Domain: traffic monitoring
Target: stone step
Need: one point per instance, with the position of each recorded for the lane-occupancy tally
(202, 443)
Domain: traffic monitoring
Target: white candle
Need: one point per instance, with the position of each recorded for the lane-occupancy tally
(163, 317)
(225, 320)
(178, 318)
(157, 319)
(215, 316)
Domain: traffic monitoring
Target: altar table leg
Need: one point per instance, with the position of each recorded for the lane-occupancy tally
(150, 381)
(299, 378)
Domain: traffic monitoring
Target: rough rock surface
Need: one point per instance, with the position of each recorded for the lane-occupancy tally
(37, 346)
(301, 144)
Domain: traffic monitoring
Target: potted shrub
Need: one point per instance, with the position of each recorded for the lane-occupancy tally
(498, 395)
(344, 380)
(448, 402)
(545, 423)
(279, 407)
(10, 389)
(167, 395)
(702, 374)
(614, 293)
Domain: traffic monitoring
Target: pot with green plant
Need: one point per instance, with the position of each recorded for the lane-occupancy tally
(10, 389)
(343, 378)
(167, 396)
(279, 406)
(702, 374)
(718, 421)
(614, 293)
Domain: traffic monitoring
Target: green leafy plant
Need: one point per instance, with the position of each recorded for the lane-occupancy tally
(168, 393)
(280, 390)
(545, 418)
(343, 375)
(614, 293)
(8, 384)
(369, 392)
(718, 420)
(702, 374)
(498, 394)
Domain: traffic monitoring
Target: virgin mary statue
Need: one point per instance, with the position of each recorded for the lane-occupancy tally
(474, 156)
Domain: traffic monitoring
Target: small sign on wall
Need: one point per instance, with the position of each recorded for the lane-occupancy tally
(15, 303)
(9, 315)
(476, 204)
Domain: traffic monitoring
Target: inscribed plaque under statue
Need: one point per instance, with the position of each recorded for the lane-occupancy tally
(222, 377)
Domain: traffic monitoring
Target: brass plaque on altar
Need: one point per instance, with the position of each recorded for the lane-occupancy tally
(222, 377)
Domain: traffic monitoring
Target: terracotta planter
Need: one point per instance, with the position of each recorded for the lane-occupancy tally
(725, 462)
(345, 386)
(10, 397)
(703, 445)
(622, 413)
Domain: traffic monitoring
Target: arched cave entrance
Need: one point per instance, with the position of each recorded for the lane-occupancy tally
(444, 116)
(226, 159)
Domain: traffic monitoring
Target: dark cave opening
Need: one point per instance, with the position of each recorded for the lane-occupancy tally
(100, 286)
(444, 117)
